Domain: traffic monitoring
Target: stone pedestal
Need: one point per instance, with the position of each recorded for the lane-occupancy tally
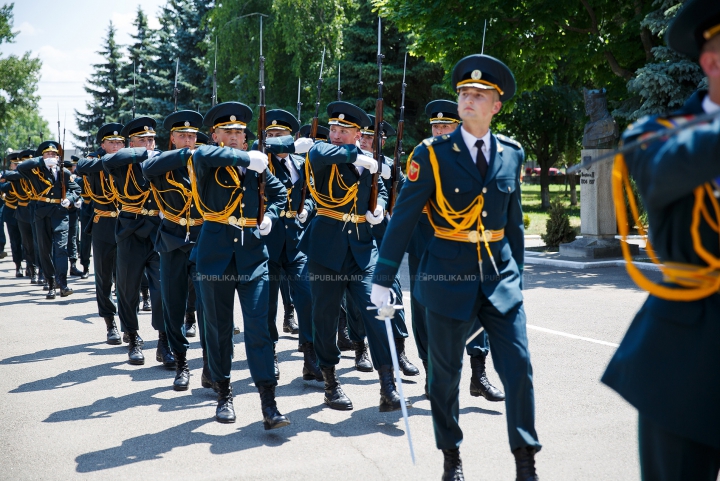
(598, 225)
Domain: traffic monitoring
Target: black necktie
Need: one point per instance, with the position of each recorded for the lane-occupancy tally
(481, 162)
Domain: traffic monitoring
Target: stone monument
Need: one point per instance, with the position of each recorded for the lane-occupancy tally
(598, 225)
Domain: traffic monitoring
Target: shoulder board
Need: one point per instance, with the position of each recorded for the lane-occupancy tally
(649, 124)
(435, 140)
(507, 140)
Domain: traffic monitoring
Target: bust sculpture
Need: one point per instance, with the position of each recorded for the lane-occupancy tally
(601, 132)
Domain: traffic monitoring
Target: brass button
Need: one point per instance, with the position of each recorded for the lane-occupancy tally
(242, 205)
(243, 188)
(484, 190)
(235, 240)
(286, 227)
(457, 190)
(349, 232)
(484, 213)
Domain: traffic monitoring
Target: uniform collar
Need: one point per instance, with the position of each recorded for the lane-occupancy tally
(709, 106)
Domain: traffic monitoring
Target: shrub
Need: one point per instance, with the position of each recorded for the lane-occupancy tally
(526, 221)
(557, 229)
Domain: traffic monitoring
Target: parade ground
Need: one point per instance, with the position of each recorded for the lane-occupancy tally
(73, 408)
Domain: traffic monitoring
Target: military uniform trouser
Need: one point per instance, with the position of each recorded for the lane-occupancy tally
(287, 298)
(295, 274)
(665, 456)
(3, 239)
(218, 297)
(15, 242)
(52, 248)
(356, 328)
(36, 246)
(192, 296)
(174, 267)
(136, 258)
(327, 288)
(85, 245)
(105, 254)
(73, 233)
(479, 344)
(28, 245)
(511, 358)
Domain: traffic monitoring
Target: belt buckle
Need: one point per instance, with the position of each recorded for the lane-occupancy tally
(192, 222)
(346, 217)
(144, 211)
(113, 214)
(232, 220)
(183, 221)
(282, 213)
(473, 236)
(151, 212)
(242, 221)
(289, 214)
(353, 218)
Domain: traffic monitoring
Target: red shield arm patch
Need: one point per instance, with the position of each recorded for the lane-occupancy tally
(413, 171)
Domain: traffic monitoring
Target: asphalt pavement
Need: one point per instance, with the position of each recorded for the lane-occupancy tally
(73, 408)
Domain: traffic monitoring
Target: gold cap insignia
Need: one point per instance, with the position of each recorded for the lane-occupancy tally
(476, 75)
(187, 124)
(341, 116)
(146, 127)
(440, 115)
(274, 122)
(233, 118)
(115, 132)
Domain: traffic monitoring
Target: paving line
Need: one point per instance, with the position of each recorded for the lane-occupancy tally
(572, 336)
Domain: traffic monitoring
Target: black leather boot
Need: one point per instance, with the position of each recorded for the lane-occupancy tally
(362, 360)
(145, 293)
(389, 397)
(74, 271)
(272, 419)
(225, 412)
(205, 377)
(452, 466)
(276, 366)
(33, 275)
(334, 395)
(163, 353)
(135, 354)
(236, 330)
(406, 366)
(42, 281)
(85, 273)
(113, 336)
(126, 339)
(19, 270)
(311, 370)
(64, 289)
(289, 323)
(525, 464)
(182, 373)
(343, 340)
(427, 393)
(479, 383)
(50, 289)
(27, 269)
(190, 330)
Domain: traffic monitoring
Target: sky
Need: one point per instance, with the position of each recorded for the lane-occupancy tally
(65, 35)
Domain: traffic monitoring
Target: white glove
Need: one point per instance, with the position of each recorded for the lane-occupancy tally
(380, 296)
(161, 215)
(78, 203)
(265, 226)
(258, 161)
(65, 203)
(375, 217)
(303, 144)
(368, 162)
(302, 216)
(386, 171)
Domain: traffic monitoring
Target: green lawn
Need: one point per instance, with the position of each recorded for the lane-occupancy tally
(538, 217)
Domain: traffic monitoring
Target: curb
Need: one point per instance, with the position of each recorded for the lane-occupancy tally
(534, 258)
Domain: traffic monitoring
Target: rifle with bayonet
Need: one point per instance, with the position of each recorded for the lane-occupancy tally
(176, 90)
(395, 176)
(134, 88)
(261, 134)
(214, 87)
(339, 92)
(299, 104)
(377, 148)
(61, 155)
(313, 130)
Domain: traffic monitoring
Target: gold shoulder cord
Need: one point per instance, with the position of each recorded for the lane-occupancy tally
(28, 188)
(698, 282)
(459, 220)
(207, 213)
(167, 210)
(329, 201)
(133, 200)
(21, 198)
(42, 179)
(109, 195)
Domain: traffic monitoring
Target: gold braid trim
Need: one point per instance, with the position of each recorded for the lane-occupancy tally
(329, 201)
(223, 215)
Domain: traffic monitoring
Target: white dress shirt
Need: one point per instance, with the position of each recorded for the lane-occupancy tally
(709, 106)
(470, 140)
(294, 175)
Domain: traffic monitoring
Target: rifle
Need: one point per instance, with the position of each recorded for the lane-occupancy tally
(377, 150)
(262, 180)
(133, 107)
(214, 90)
(61, 155)
(176, 91)
(395, 178)
(299, 104)
(313, 131)
(339, 92)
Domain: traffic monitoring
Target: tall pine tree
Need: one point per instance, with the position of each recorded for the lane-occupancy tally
(103, 86)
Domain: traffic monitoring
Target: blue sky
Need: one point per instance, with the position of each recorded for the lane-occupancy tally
(65, 35)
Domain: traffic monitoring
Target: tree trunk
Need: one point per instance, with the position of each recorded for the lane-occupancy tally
(573, 190)
(544, 186)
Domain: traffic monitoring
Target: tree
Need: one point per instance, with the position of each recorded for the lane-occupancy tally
(25, 129)
(18, 76)
(103, 86)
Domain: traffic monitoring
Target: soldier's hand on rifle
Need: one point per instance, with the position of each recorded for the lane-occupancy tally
(367, 162)
(386, 171)
(258, 161)
(78, 203)
(265, 226)
(302, 216)
(375, 217)
(303, 145)
(380, 296)
(65, 203)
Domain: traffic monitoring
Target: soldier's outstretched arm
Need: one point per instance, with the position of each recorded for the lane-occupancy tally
(420, 187)
(25, 168)
(323, 154)
(11, 175)
(88, 165)
(124, 157)
(212, 156)
(280, 145)
(165, 162)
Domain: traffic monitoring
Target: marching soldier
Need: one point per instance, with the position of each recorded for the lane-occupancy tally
(676, 334)
(341, 250)
(135, 232)
(74, 223)
(98, 188)
(231, 255)
(286, 259)
(469, 180)
(177, 235)
(9, 217)
(25, 214)
(85, 230)
(55, 191)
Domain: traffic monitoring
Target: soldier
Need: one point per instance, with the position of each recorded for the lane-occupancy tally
(177, 235)
(470, 181)
(444, 119)
(85, 231)
(676, 335)
(231, 255)
(55, 191)
(323, 133)
(98, 188)
(9, 217)
(74, 223)
(25, 214)
(286, 259)
(135, 232)
(341, 250)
